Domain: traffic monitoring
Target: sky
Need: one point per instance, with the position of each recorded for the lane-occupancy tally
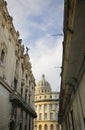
(39, 22)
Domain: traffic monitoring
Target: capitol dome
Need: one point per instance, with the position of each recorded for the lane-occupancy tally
(43, 82)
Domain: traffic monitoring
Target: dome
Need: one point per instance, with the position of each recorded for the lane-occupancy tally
(43, 82)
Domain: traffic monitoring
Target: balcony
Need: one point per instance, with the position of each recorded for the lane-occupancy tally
(16, 97)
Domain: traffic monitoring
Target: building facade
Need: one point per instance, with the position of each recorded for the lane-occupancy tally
(46, 106)
(17, 83)
(72, 95)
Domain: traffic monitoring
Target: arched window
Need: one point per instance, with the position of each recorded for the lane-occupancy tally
(11, 125)
(26, 76)
(22, 66)
(25, 95)
(15, 83)
(45, 127)
(45, 97)
(17, 66)
(51, 127)
(20, 126)
(40, 127)
(50, 96)
(3, 51)
(2, 56)
(21, 91)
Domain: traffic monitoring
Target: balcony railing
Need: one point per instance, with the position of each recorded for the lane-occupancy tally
(16, 97)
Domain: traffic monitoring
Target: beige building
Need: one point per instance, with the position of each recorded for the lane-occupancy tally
(17, 83)
(72, 95)
(46, 106)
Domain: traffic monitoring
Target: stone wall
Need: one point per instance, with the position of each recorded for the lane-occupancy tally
(5, 109)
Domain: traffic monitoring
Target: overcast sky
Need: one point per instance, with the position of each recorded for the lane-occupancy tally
(37, 21)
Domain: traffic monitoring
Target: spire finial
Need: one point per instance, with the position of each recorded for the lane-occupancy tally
(43, 76)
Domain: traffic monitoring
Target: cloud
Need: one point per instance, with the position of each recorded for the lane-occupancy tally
(45, 61)
(36, 21)
(47, 11)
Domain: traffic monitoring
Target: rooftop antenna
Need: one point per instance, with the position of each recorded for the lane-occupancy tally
(59, 34)
(58, 67)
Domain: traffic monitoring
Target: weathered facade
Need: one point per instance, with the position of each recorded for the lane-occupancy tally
(46, 106)
(17, 83)
(72, 95)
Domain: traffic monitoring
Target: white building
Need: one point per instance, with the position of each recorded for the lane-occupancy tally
(46, 106)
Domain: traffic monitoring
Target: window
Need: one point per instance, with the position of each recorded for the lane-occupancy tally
(17, 66)
(56, 116)
(45, 127)
(40, 127)
(20, 126)
(57, 107)
(39, 107)
(29, 97)
(51, 115)
(3, 52)
(51, 106)
(84, 120)
(29, 125)
(15, 83)
(51, 127)
(45, 107)
(25, 127)
(68, 121)
(26, 78)
(22, 69)
(40, 116)
(21, 114)
(50, 96)
(21, 91)
(29, 83)
(2, 56)
(45, 116)
(72, 119)
(45, 90)
(45, 97)
(25, 95)
(12, 125)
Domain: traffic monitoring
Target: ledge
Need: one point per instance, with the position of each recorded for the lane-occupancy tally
(5, 84)
(46, 100)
